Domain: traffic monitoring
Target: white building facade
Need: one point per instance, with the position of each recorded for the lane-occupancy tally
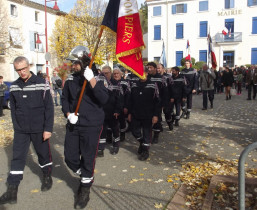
(26, 24)
(176, 21)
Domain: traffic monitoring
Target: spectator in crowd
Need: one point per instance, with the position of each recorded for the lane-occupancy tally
(3, 88)
(207, 77)
(227, 80)
(57, 87)
(239, 82)
(251, 81)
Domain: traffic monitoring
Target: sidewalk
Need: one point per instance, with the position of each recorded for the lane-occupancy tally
(124, 182)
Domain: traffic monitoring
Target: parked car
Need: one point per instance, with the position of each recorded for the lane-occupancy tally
(7, 96)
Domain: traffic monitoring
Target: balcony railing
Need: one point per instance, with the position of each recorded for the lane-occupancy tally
(234, 37)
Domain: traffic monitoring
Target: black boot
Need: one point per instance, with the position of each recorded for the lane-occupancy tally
(170, 124)
(183, 114)
(122, 136)
(229, 97)
(145, 154)
(176, 123)
(10, 196)
(187, 115)
(82, 197)
(100, 153)
(140, 148)
(46, 183)
(156, 137)
(226, 97)
(114, 150)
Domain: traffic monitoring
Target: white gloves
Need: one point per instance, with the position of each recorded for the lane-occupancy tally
(209, 71)
(88, 74)
(73, 118)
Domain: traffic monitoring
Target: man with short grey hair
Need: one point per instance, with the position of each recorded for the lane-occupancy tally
(207, 77)
(33, 118)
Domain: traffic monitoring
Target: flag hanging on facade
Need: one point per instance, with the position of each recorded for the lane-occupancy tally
(122, 17)
(227, 30)
(211, 54)
(163, 60)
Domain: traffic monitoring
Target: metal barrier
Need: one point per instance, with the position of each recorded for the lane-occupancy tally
(241, 174)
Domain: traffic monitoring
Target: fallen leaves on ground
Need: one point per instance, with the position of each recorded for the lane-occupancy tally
(197, 176)
(6, 133)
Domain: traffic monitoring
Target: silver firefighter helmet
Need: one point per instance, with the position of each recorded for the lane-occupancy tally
(81, 53)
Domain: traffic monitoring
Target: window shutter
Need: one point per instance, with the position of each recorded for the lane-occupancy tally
(250, 3)
(203, 55)
(254, 30)
(157, 32)
(227, 4)
(179, 56)
(254, 56)
(203, 28)
(173, 9)
(185, 8)
(32, 40)
(179, 30)
(232, 4)
(157, 11)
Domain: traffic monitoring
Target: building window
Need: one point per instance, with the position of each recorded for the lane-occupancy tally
(254, 30)
(2, 48)
(39, 67)
(203, 5)
(14, 11)
(252, 2)
(229, 4)
(203, 28)
(254, 56)
(179, 56)
(36, 16)
(203, 55)
(179, 8)
(179, 31)
(15, 37)
(157, 11)
(157, 32)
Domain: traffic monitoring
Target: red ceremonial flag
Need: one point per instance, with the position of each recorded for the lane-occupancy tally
(122, 17)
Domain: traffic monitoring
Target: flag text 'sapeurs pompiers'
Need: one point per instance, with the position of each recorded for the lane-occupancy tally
(122, 17)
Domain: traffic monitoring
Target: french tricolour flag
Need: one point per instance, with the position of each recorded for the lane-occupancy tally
(122, 17)
(227, 30)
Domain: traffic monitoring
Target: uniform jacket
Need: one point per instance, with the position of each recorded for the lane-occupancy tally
(116, 100)
(177, 89)
(126, 91)
(161, 82)
(3, 87)
(191, 79)
(32, 108)
(207, 80)
(91, 111)
(144, 100)
(249, 76)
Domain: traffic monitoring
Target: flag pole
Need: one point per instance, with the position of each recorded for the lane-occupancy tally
(90, 66)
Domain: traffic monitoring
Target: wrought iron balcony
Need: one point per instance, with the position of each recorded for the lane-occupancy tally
(234, 37)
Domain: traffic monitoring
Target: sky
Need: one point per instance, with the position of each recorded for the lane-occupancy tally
(67, 5)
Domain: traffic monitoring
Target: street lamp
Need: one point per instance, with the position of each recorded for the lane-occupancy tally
(55, 8)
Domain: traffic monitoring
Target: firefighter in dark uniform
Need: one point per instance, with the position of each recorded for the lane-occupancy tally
(167, 108)
(162, 86)
(32, 114)
(144, 110)
(83, 130)
(117, 75)
(177, 92)
(191, 79)
(112, 110)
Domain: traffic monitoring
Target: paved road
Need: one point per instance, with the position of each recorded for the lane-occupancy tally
(124, 182)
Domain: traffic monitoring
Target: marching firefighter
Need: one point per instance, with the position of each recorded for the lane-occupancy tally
(83, 130)
(162, 86)
(167, 106)
(32, 114)
(177, 92)
(117, 75)
(144, 110)
(191, 86)
(112, 110)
